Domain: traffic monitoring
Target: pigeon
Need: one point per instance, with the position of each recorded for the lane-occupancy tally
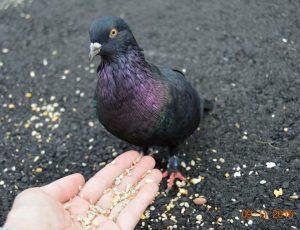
(139, 102)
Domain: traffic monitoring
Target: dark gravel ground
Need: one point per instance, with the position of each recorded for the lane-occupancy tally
(245, 54)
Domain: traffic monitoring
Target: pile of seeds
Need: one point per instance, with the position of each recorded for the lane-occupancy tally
(122, 197)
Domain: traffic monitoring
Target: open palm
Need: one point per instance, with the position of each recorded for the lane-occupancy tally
(114, 198)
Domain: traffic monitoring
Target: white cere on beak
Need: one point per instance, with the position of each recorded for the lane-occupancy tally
(94, 50)
(95, 45)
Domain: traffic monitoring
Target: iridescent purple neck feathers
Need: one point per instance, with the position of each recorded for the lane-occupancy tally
(121, 75)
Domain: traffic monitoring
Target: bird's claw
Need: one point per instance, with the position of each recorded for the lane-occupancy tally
(173, 176)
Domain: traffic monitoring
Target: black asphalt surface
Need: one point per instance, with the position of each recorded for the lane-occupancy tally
(245, 54)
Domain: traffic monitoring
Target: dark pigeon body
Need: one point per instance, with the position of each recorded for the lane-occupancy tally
(137, 101)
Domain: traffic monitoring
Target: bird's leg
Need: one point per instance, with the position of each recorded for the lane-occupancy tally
(173, 171)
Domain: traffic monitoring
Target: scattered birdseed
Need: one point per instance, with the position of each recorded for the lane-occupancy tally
(113, 162)
(1, 64)
(182, 211)
(263, 182)
(285, 130)
(218, 166)
(199, 217)
(180, 184)
(5, 50)
(11, 106)
(278, 192)
(39, 170)
(66, 71)
(95, 222)
(28, 95)
(183, 164)
(183, 191)
(36, 159)
(45, 62)
(244, 137)
(237, 174)
(284, 40)
(222, 160)
(32, 74)
(294, 196)
(270, 164)
(237, 125)
(227, 175)
(67, 206)
(196, 180)
(148, 181)
(214, 150)
(102, 163)
(173, 218)
(193, 163)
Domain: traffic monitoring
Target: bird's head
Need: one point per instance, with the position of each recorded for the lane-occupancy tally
(110, 36)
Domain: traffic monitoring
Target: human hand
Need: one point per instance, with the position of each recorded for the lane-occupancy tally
(70, 203)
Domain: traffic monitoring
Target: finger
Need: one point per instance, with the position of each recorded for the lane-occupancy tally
(145, 164)
(131, 214)
(153, 177)
(65, 188)
(94, 188)
(133, 176)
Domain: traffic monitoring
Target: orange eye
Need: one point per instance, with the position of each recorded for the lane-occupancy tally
(113, 33)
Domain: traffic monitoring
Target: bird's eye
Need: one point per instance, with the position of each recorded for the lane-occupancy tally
(113, 33)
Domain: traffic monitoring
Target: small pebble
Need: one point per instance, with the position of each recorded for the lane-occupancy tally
(199, 200)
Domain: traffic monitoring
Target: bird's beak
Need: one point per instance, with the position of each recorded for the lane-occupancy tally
(94, 50)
